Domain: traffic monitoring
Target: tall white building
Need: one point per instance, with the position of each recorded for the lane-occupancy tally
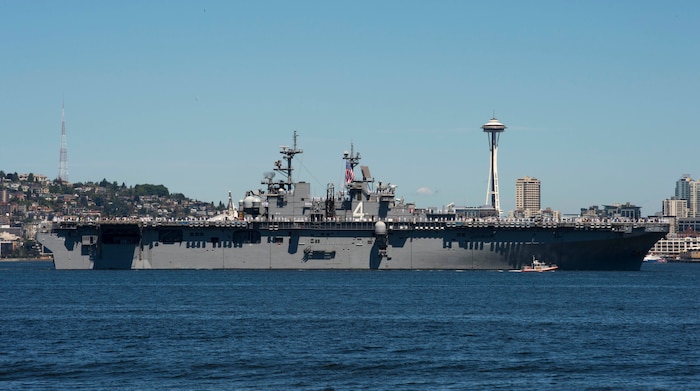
(694, 199)
(675, 208)
(527, 195)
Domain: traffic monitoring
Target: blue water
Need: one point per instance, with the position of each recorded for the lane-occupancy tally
(349, 330)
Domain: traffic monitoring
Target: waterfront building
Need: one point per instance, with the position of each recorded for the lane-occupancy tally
(683, 239)
(673, 247)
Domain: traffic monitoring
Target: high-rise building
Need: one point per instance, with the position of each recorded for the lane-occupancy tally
(694, 199)
(527, 194)
(675, 208)
(683, 188)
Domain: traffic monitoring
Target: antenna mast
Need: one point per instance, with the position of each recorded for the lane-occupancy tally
(352, 159)
(288, 156)
(63, 159)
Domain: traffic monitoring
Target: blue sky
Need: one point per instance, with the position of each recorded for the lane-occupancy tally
(600, 97)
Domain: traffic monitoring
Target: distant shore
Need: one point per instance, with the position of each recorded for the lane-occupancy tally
(45, 258)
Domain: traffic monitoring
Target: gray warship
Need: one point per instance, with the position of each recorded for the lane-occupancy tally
(364, 225)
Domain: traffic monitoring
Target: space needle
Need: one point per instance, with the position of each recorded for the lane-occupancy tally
(493, 128)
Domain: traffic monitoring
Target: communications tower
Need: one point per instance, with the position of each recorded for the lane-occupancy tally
(493, 128)
(63, 159)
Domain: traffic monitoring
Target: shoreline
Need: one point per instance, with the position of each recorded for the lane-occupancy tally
(40, 259)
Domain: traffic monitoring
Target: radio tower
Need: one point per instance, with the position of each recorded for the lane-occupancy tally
(493, 128)
(63, 160)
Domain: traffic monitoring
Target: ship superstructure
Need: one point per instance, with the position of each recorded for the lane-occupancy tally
(363, 225)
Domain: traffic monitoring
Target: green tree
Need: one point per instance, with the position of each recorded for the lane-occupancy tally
(151, 190)
(117, 208)
(99, 201)
(58, 187)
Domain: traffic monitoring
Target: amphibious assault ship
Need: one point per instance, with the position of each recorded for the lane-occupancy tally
(364, 225)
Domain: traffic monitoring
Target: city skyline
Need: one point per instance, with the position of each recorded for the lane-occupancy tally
(198, 97)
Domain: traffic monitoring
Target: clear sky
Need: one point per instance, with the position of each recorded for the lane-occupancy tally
(601, 98)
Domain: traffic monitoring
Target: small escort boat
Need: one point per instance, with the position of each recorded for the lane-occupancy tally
(652, 258)
(539, 266)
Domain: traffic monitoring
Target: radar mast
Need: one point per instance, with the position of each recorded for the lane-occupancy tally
(288, 156)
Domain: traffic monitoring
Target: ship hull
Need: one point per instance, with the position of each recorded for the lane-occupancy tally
(442, 246)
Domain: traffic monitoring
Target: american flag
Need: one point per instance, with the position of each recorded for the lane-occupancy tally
(349, 174)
